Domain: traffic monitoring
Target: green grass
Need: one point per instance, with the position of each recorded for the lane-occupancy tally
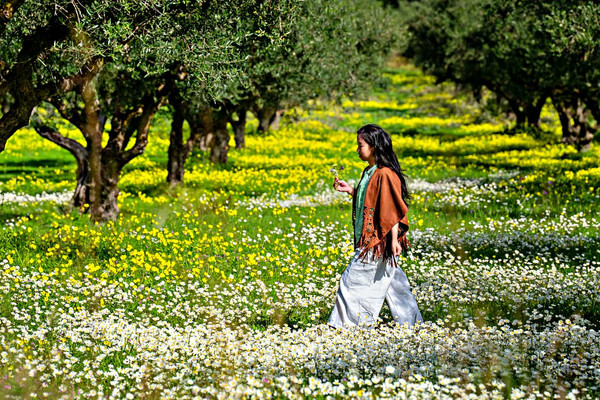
(503, 228)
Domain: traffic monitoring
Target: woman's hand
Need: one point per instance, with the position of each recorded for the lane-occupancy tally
(343, 186)
(396, 248)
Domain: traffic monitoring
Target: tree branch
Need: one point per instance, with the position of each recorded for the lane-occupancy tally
(143, 128)
(89, 70)
(78, 151)
(150, 107)
(68, 111)
(28, 97)
(123, 125)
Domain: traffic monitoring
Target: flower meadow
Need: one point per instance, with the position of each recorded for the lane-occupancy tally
(222, 288)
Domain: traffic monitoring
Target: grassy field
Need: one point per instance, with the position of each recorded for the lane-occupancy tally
(223, 288)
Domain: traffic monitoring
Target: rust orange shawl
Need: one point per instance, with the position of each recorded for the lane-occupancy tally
(383, 209)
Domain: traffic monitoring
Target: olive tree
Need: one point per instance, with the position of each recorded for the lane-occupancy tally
(481, 44)
(524, 52)
(208, 115)
(572, 34)
(182, 43)
(335, 48)
(318, 49)
(55, 46)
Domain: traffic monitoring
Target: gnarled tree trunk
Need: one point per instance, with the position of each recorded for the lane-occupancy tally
(533, 112)
(19, 81)
(179, 150)
(239, 127)
(518, 113)
(220, 149)
(91, 129)
(215, 135)
(527, 114)
(99, 169)
(110, 173)
(124, 123)
(276, 119)
(574, 120)
(81, 195)
(206, 141)
(16, 117)
(177, 154)
(265, 115)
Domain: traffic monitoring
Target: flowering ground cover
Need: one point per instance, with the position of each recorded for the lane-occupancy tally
(223, 288)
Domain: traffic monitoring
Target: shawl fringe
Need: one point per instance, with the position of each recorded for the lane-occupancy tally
(383, 246)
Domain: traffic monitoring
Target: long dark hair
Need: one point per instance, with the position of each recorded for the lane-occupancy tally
(381, 143)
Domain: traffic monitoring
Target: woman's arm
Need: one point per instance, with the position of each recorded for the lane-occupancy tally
(396, 248)
(395, 233)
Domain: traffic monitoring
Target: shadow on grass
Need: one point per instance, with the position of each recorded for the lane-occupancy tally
(383, 112)
(463, 152)
(6, 215)
(443, 134)
(13, 166)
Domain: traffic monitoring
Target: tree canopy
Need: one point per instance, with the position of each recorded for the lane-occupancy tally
(50, 48)
(120, 61)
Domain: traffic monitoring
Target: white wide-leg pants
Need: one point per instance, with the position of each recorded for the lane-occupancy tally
(364, 285)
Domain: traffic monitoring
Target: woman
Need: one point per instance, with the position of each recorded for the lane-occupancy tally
(380, 225)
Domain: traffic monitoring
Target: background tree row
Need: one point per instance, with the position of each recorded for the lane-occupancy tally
(525, 52)
(107, 67)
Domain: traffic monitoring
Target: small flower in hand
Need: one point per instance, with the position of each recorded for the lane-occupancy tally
(334, 170)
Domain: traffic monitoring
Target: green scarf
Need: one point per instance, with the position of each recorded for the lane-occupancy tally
(360, 201)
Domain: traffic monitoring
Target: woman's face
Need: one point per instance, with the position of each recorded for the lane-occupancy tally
(365, 152)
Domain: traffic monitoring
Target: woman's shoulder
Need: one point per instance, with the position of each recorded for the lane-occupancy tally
(386, 174)
(385, 171)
